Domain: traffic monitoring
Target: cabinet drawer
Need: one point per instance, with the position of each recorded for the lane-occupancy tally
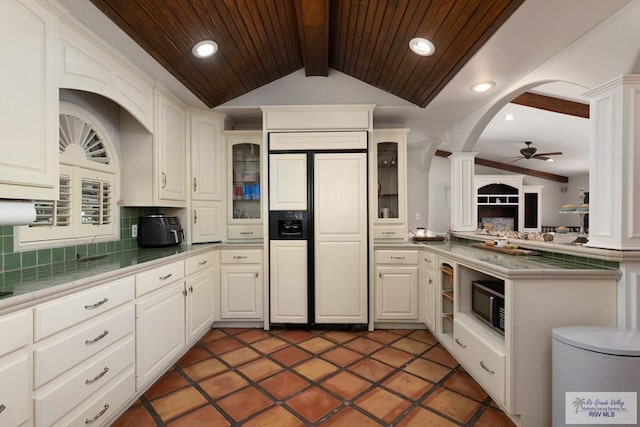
(485, 363)
(241, 256)
(65, 312)
(16, 331)
(200, 262)
(397, 257)
(389, 232)
(239, 232)
(103, 405)
(158, 277)
(427, 260)
(73, 388)
(14, 388)
(56, 355)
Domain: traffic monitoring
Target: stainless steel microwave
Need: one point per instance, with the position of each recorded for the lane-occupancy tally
(487, 302)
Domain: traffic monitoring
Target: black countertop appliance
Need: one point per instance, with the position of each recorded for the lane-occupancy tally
(159, 230)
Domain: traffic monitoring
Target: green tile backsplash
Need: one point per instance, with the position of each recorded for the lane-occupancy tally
(10, 260)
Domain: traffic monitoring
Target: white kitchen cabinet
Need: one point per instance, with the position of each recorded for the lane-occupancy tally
(160, 331)
(206, 222)
(396, 285)
(199, 303)
(207, 156)
(15, 368)
(241, 285)
(29, 157)
(170, 137)
(427, 279)
(532, 208)
(289, 278)
(244, 190)
(388, 182)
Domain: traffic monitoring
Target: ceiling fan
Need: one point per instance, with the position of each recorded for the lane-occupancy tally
(529, 152)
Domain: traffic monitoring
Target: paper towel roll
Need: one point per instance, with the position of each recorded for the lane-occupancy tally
(17, 212)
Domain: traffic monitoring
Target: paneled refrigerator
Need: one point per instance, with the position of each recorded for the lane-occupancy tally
(318, 229)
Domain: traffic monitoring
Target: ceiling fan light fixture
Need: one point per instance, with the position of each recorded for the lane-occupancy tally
(483, 86)
(421, 46)
(549, 159)
(205, 49)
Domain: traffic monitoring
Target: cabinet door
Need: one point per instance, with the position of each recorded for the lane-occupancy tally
(388, 157)
(14, 393)
(244, 153)
(397, 293)
(29, 110)
(429, 297)
(206, 218)
(532, 210)
(160, 326)
(288, 182)
(241, 292)
(200, 311)
(171, 149)
(288, 284)
(207, 154)
(340, 224)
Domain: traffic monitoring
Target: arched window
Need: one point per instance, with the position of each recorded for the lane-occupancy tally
(86, 209)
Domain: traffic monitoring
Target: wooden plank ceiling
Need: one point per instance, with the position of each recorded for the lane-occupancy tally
(263, 40)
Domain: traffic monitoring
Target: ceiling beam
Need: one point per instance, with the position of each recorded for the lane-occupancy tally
(313, 25)
(511, 168)
(549, 103)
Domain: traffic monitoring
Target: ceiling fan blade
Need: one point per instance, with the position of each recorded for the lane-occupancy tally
(518, 158)
(555, 153)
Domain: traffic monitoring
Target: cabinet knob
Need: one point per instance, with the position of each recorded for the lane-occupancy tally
(184, 292)
(191, 289)
(257, 274)
(195, 216)
(430, 281)
(2, 408)
(195, 184)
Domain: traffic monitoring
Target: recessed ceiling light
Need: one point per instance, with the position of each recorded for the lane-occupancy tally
(482, 87)
(205, 49)
(509, 117)
(422, 47)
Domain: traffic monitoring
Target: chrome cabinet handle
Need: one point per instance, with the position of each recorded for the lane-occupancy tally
(97, 377)
(460, 344)
(195, 216)
(246, 233)
(430, 281)
(2, 408)
(397, 257)
(98, 304)
(202, 262)
(257, 274)
(165, 277)
(98, 338)
(380, 275)
(164, 180)
(239, 257)
(388, 232)
(492, 372)
(195, 184)
(184, 292)
(98, 415)
(191, 289)
(427, 260)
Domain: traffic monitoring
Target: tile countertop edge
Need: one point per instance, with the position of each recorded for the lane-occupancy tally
(31, 299)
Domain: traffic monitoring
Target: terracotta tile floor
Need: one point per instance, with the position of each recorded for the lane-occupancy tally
(240, 377)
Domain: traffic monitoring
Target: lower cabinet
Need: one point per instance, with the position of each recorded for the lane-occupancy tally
(241, 285)
(199, 303)
(397, 285)
(15, 372)
(160, 331)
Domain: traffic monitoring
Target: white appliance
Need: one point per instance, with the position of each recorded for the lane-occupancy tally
(318, 235)
(595, 376)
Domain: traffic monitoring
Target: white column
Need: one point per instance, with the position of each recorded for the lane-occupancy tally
(463, 198)
(614, 169)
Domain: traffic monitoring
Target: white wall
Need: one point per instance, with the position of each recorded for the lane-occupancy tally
(417, 190)
(439, 206)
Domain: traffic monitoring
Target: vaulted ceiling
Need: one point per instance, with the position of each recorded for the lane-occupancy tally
(263, 40)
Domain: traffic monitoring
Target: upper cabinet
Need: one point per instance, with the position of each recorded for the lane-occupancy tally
(388, 166)
(244, 170)
(207, 156)
(154, 166)
(171, 153)
(29, 106)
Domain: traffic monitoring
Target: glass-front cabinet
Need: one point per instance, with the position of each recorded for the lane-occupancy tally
(388, 158)
(244, 149)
